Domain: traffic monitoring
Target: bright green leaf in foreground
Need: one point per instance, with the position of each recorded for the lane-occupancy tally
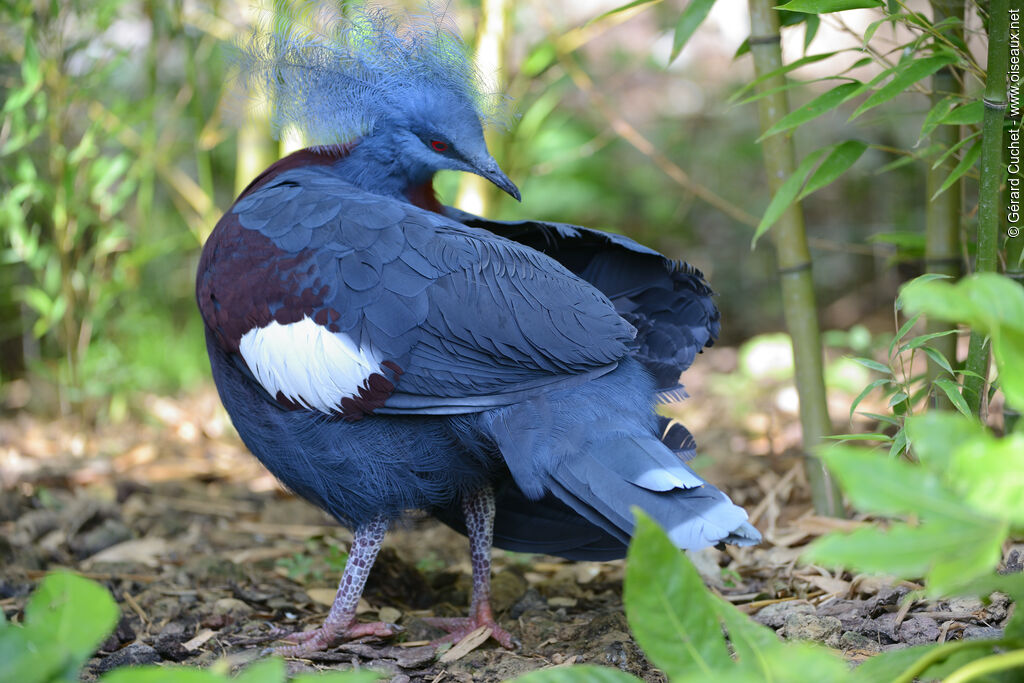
(951, 544)
(675, 619)
(991, 304)
(577, 674)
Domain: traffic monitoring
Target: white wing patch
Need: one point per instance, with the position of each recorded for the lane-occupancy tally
(307, 363)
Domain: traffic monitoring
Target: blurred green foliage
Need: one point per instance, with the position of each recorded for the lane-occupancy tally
(100, 215)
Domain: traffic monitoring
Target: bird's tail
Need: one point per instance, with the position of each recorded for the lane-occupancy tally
(596, 449)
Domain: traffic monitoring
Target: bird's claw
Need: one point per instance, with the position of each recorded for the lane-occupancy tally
(459, 627)
(323, 638)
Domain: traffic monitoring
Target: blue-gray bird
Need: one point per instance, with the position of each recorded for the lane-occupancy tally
(381, 353)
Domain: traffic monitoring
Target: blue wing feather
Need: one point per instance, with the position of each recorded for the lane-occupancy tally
(470, 318)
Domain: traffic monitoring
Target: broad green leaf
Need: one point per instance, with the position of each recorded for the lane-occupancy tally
(666, 605)
(573, 674)
(162, 674)
(899, 665)
(840, 159)
(892, 487)
(270, 670)
(815, 108)
(989, 473)
(948, 554)
(692, 17)
(965, 164)
(361, 676)
(786, 194)
(952, 391)
(905, 74)
(990, 303)
(826, 6)
(75, 612)
(936, 435)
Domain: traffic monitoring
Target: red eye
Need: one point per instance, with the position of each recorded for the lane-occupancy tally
(439, 146)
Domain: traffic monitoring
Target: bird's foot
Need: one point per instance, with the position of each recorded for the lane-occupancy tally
(459, 627)
(320, 639)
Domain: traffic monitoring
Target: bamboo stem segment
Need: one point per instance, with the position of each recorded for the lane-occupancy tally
(794, 260)
(989, 209)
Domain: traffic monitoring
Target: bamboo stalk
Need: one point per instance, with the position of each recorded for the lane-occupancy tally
(794, 260)
(989, 209)
(942, 215)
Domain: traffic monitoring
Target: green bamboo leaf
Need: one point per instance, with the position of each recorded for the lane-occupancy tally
(887, 419)
(803, 61)
(939, 359)
(935, 115)
(812, 24)
(898, 397)
(692, 17)
(954, 149)
(904, 74)
(902, 332)
(622, 8)
(863, 394)
(952, 391)
(899, 444)
(965, 115)
(872, 364)
(815, 108)
(786, 194)
(870, 436)
(921, 340)
(826, 6)
(968, 161)
(840, 159)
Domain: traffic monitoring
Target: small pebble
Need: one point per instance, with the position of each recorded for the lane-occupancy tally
(814, 628)
(774, 615)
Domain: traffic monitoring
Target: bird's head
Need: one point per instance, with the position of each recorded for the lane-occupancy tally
(404, 86)
(441, 131)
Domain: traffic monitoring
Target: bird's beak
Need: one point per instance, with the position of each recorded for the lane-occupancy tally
(488, 168)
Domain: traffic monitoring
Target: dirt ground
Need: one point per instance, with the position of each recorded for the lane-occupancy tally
(205, 553)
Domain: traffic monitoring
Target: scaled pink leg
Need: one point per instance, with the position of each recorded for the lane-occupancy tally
(340, 623)
(479, 511)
